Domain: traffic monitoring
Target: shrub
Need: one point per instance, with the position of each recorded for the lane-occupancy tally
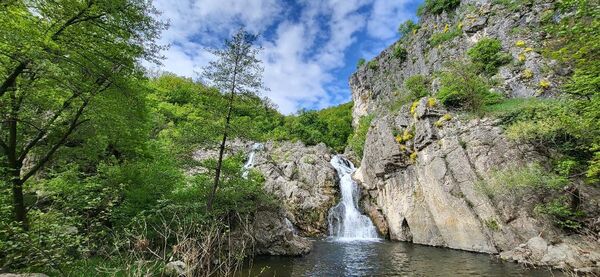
(373, 65)
(360, 62)
(462, 88)
(417, 86)
(487, 55)
(400, 53)
(561, 213)
(407, 27)
(437, 6)
(516, 180)
(357, 141)
(439, 38)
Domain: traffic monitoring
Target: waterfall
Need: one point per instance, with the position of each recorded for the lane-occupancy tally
(345, 220)
(250, 162)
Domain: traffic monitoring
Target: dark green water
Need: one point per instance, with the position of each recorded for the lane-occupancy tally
(330, 258)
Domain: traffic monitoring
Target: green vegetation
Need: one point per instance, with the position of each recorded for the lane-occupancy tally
(407, 28)
(93, 153)
(360, 62)
(331, 126)
(487, 55)
(373, 65)
(562, 213)
(400, 53)
(446, 35)
(437, 6)
(462, 88)
(417, 87)
(357, 141)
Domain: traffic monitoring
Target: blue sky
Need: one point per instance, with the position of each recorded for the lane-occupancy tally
(310, 47)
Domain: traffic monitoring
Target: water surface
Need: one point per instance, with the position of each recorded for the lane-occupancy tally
(385, 258)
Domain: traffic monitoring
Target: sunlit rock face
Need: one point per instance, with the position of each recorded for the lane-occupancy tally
(423, 166)
(298, 176)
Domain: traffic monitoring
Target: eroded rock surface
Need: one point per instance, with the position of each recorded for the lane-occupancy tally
(422, 172)
(299, 176)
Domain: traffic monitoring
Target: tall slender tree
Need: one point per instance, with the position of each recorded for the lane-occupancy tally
(236, 70)
(56, 56)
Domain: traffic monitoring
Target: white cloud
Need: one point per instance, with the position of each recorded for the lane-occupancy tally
(299, 55)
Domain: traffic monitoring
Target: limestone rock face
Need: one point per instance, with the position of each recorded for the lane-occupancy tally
(303, 179)
(426, 187)
(299, 176)
(422, 174)
(273, 236)
(374, 90)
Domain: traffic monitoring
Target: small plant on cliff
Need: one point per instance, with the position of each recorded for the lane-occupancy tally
(462, 88)
(562, 214)
(487, 55)
(400, 53)
(439, 38)
(407, 27)
(357, 141)
(360, 62)
(437, 6)
(373, 65)
(417, 86)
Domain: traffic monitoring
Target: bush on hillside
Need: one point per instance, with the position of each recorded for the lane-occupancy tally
(487, 55)
(407, 28)
(417, 86)
(400, 53)
(437, 6)
(357, 141)
(462, 88)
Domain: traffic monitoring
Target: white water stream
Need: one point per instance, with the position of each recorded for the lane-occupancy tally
(345, 220)
(250, 162)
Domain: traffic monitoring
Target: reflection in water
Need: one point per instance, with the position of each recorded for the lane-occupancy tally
(334, 258)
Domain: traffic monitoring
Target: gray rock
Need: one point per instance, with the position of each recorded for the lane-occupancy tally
(274, 236)
(299, 176)
(175, 268)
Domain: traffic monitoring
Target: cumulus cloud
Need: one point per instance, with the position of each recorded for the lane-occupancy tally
(304, 42)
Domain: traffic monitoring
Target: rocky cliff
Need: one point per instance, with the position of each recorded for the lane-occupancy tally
(424, 169)
(375, 88)
(302, 180)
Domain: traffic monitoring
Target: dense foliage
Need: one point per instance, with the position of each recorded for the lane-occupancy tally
(357, 141)
(437, 6)
(462, 88)
(487, 55)
(331, 126)
(407, 27)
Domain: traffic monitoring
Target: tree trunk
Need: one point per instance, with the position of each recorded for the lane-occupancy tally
(19, 202)
(211, 197)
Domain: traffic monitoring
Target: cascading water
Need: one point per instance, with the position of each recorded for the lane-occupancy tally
(250, 162)
(345, 220)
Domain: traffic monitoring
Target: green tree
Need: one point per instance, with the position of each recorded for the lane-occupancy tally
(236, 71)
(57, 56)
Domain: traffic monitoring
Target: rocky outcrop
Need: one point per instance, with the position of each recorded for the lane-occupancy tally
(374, 89)
(273, 236)
(426, 185)
(571, 253)
(422, 172)
(299, 176)
(303, 179)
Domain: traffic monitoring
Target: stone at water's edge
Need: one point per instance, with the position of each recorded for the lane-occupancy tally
(274, 237)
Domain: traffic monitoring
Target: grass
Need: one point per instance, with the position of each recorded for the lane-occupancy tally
(439, 38)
